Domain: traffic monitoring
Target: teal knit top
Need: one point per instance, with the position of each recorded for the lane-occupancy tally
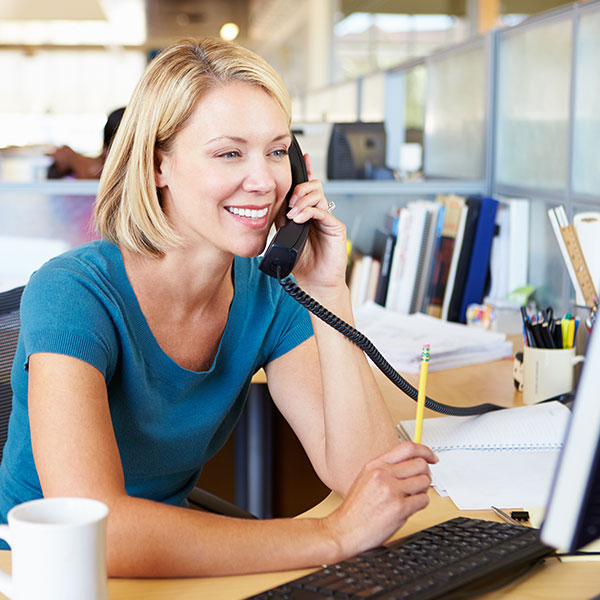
(168, 420)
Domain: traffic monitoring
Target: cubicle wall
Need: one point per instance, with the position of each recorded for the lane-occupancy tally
(514, 113)
(40, 220)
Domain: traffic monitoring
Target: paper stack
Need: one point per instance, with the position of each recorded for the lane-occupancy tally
(400, 339)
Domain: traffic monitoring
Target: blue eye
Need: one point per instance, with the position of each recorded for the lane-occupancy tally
(280, 153)
(232, 154)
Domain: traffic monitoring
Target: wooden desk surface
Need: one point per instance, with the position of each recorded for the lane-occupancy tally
(488, 382)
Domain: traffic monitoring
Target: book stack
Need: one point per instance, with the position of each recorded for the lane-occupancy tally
(431, 257)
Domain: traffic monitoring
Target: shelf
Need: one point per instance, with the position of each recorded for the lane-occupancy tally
(55, 187)
(395, 188)
(73, 187)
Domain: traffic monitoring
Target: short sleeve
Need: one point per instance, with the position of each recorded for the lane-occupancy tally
(64, 311)
(291, 325)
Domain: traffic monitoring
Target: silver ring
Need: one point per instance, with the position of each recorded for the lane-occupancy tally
(330, 206)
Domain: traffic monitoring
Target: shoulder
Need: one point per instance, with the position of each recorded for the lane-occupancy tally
(71, 305)
(81, 268)
(81, 286)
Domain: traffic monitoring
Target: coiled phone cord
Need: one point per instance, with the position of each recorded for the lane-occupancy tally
(371, 351)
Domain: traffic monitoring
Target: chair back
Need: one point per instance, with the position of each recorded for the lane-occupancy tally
(9, 332)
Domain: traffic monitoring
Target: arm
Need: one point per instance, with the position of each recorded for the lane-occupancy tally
(83, 167)
(76, 454)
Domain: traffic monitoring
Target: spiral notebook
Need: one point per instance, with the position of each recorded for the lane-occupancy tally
(535, 427)
(504, 458)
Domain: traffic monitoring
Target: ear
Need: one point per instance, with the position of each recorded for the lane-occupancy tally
(161, 169)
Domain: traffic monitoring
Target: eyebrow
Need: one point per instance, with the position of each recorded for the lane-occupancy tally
(241, 140)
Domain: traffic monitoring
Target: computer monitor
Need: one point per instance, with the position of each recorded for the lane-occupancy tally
(573, 513)
(357, 151)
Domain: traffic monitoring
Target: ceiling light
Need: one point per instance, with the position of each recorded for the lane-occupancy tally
(229, 31)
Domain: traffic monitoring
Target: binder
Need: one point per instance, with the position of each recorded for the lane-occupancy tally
(462, 268)
(383, 250)
(479, 263)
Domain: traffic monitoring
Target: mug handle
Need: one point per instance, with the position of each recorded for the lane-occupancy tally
(578, 359)
(6, 583)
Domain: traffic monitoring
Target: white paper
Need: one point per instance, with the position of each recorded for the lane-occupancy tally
(476, 480)
(400, 339)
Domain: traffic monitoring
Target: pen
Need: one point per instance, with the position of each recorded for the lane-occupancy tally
(537, 335)
(506, 517)
(558, 333)
(421, 395)
(546, 337)
(527, 334)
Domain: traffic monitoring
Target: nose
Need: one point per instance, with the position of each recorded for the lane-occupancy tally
(260, 178)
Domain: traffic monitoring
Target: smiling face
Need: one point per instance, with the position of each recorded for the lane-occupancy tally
(227, 174)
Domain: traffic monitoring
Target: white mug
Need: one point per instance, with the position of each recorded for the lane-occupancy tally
(58, 549)
(547, 373)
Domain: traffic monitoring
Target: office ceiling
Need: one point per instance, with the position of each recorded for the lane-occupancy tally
(261, 22)
(175, 19)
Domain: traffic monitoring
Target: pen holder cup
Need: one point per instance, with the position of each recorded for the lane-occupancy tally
(547, 373)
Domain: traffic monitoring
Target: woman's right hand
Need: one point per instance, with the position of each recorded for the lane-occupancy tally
(388, 490)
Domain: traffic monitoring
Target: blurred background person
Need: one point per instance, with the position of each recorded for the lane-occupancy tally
(69, 163)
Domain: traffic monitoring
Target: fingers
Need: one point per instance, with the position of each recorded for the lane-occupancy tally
(406, 450)
(308, 163)
(309, 193)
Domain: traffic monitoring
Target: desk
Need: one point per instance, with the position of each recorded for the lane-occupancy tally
(490, 382)
(553, 580)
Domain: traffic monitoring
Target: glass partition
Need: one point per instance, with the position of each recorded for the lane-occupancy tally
(586, 134)
(455, 114)
(547, 269)
(372, 101)
(38, 226)
(334, 104)
(534, 64)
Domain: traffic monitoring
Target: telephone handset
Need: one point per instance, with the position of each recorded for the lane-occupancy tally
(279, 260)
(285, 248)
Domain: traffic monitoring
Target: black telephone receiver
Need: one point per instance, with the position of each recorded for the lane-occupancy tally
(285, 248)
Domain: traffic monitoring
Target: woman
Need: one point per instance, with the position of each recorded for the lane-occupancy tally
(137, 351)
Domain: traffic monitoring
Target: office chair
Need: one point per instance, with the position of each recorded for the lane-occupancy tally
(9, 333)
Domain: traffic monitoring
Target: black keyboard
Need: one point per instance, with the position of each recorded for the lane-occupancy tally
(459, 554)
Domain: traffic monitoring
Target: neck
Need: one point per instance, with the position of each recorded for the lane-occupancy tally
(181, 277)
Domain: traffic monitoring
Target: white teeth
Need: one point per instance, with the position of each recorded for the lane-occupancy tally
(247, 212)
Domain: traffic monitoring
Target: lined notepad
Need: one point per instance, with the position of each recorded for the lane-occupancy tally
(505, 458)
(535, 427)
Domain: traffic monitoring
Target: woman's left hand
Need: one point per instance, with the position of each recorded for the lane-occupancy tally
(322, 264)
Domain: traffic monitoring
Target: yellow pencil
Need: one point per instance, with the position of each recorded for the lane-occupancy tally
(422, 394)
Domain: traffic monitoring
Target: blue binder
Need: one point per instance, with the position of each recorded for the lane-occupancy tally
(480, 256)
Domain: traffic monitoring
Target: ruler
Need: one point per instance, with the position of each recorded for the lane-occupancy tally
(582, 272)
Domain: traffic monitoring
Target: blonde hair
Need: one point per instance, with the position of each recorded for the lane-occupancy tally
(127, 209)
